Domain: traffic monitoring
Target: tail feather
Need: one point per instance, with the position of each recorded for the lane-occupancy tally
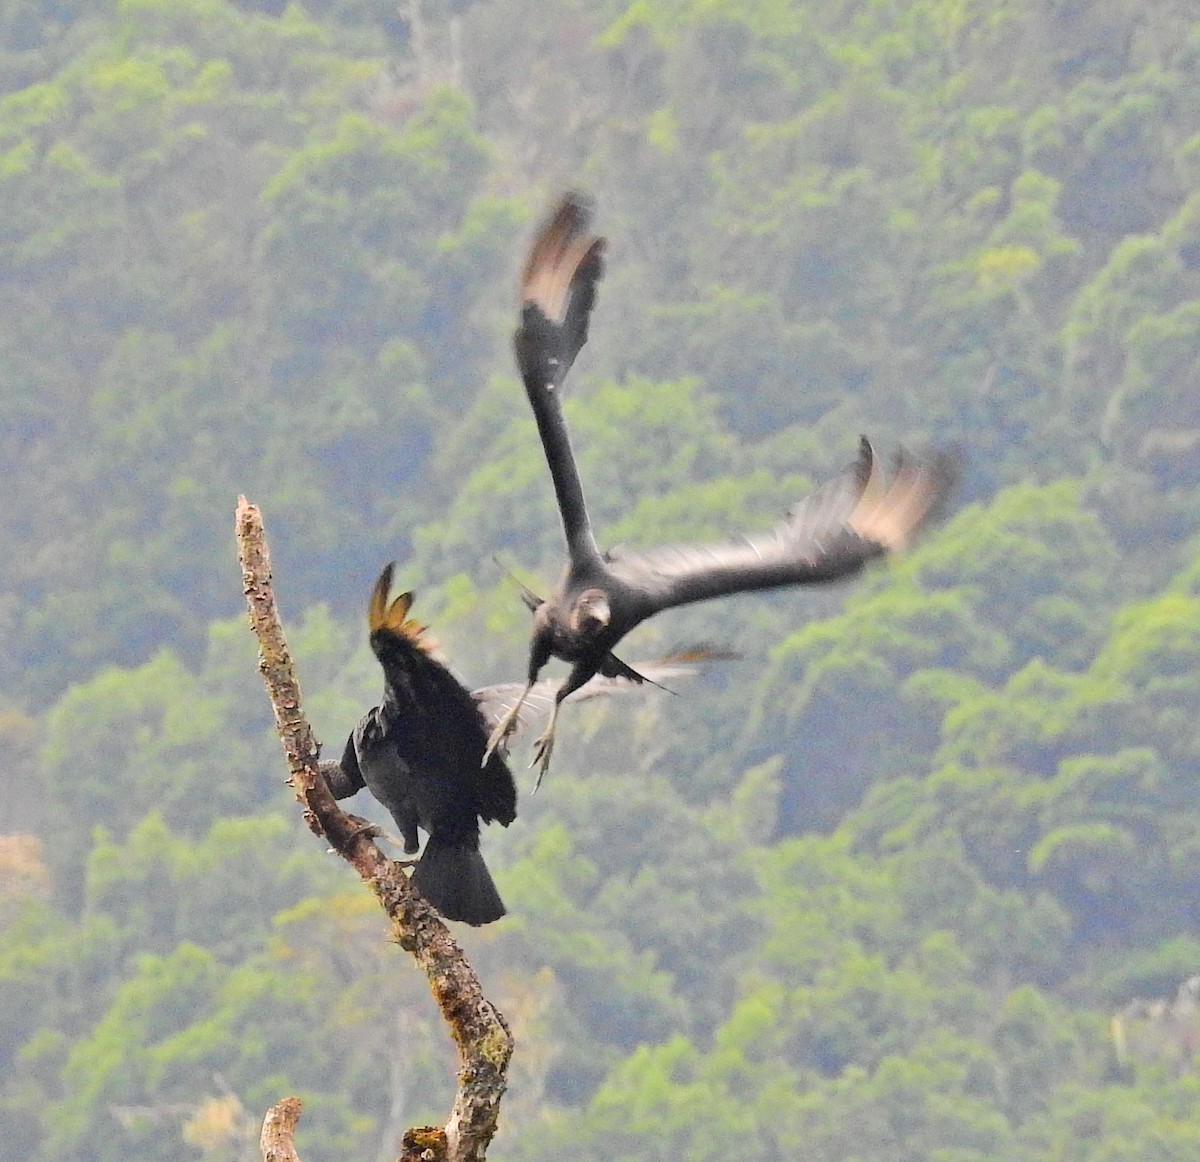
(452, 876)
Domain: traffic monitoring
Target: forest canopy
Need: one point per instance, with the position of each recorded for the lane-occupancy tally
(914, 879)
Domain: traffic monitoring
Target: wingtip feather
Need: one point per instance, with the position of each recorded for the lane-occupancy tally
(889, 513)
(562, 249)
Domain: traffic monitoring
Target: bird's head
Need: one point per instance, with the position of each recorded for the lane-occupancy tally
(591, 613)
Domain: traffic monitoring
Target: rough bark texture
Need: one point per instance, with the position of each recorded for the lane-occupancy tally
(479, 1030)
(279, 1128)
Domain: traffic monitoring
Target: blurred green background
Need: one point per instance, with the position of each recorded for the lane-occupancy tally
(874, 892)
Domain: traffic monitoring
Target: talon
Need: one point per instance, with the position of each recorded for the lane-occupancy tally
(363, 827)
(545, 745)
(497, 738)
(372, 831)
(542, 750)
(505, 726)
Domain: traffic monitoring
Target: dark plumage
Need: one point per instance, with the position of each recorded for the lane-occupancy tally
(834, 532)
(419, 752)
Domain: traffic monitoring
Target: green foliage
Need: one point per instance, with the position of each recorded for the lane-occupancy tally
(161, 890)
(873, 891)
(180, 202)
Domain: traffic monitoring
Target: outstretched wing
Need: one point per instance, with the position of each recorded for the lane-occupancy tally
(558, 289)
(834, 532)
(495, 701)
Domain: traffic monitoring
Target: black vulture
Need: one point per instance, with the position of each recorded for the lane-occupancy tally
(848, 521)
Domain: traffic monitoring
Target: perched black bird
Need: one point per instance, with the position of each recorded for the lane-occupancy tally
(419, 753)
(834, 532)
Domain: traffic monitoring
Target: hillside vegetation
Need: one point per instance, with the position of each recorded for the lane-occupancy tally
(874, 891)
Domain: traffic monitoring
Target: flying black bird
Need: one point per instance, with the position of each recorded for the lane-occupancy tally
(419, 753)
(834, 532)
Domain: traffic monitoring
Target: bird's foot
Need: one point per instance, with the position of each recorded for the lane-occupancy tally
(373, 831)
(542, 750)
(363, 827)
(498, 739)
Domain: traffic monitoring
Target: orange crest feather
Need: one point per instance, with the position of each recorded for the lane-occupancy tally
(393, 617)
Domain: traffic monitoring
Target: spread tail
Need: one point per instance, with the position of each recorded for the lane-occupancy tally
(452, 876)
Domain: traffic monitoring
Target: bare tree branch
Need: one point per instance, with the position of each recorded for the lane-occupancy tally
(279, 1127)
(479, 1030)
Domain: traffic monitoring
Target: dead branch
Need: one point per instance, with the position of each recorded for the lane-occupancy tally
(279, 1128)
(479, 1030)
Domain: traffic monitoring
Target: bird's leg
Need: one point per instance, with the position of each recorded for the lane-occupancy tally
(506, 725)
(544, 746)
(539, 655)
